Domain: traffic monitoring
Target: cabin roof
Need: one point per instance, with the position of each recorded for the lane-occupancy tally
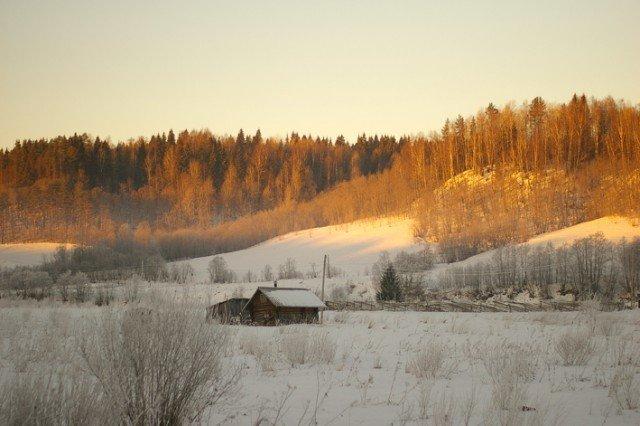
(291, 297)
(232, 299)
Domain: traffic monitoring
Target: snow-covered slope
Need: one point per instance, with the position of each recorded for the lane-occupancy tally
(351, 247)
(26, 254)
(613, 228)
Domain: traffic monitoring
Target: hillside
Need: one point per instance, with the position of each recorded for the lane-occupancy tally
(351, 247)
(542, 166)
(613, 228)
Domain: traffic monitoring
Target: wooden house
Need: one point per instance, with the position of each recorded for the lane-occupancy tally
(275, 305)
(229, 311)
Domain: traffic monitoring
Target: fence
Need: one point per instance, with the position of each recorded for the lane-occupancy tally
(459, 306)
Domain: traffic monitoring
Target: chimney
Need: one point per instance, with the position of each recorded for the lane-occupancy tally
(275, 283)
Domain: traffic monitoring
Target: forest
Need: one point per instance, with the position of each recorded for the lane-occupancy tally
(497, 177)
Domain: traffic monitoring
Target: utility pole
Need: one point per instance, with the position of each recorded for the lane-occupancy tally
(464, 277)
(324, 272)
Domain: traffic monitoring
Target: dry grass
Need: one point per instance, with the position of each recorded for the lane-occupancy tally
(506, 358)
(609, 326)
(174, 357)
(300, 346)
(55, 397)
(468, 404)
(443, 410)
(432, 361)
(625, 388)
(575, 347)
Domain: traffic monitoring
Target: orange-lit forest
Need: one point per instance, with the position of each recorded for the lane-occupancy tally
(482, 181)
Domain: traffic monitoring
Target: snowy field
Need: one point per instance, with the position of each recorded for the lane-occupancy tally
(577, 368)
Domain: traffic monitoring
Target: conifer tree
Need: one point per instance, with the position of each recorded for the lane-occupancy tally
(389, 285)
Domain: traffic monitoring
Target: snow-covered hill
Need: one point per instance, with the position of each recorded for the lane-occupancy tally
(26, 254)
(613, 228)
(351, 247)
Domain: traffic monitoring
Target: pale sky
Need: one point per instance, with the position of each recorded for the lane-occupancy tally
(122, 69)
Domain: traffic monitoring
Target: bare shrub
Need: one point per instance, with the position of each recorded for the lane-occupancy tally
(338, 293)
(443, 410)
(288, 270)
(509, 359)
(261, 347)
(509, 367)
(174, 357)
(294, 347)
(300, 347)
(432, 361)
(414, 262)
(64, 283)
(625, 352)
(424, 398)
(267, 273)
(181, 273)
(341, 317)
(52, 398)
(625, 388)
(322, 347)
(609, 326)
(575, 347)
(103, 295)
(30, 283)
(454, 326)
(508, 391)
(37, 346)
(132, 289)
(249, 277)
(250, 343)
(219, 272)
(468, 405)
(78, 283)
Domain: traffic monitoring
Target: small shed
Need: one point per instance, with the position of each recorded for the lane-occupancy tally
(229, 311)
(281, 305)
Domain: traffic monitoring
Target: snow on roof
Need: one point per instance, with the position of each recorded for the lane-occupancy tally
(292, 297)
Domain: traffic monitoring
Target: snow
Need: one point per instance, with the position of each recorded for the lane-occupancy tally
(365, 378)
(613, 228)
(27, 254)
(351, 247)
(367, 381)
(292, 297)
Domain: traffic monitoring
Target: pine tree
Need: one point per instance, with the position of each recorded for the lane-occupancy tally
(389, 285)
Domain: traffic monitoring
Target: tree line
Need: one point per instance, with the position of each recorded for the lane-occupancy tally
(76, 188)
(496, 177)
(589, 267)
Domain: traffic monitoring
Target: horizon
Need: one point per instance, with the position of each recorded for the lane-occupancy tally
(121, 72)
(348, 140)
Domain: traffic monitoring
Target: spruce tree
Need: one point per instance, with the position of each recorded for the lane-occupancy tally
(389, 285)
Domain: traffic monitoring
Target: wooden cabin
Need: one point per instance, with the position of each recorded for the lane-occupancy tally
(276, 305)
(229, 311)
